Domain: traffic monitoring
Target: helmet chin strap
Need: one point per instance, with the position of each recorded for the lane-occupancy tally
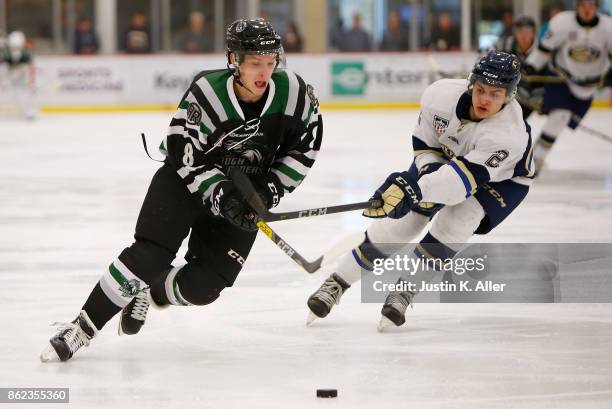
(237, 75)
(237, 79)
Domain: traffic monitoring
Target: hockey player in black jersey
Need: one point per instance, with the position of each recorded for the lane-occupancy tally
(256, 116)
(17, 73)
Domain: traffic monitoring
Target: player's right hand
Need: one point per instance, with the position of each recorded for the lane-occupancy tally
(228, 202)
(399, 193)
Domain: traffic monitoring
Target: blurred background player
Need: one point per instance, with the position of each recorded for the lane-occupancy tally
(576, 48)
(472, 168)
(251, 116)
(521, 43)
(19, 73)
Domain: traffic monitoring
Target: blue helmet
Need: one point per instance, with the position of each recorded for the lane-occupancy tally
(497, 69)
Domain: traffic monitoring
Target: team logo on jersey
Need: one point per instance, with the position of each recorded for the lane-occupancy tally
(584, 54)
(440, 124)
(194, 114)
(130, 288)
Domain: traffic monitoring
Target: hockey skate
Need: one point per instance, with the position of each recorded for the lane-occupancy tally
(134, 315)
(322, 301)
(394, 309)
(69, 339)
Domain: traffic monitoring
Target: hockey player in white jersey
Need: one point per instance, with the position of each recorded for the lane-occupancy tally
(18, 73)
(472, 168)
(577, 47)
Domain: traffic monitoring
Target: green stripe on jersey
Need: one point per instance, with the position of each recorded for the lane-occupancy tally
(218, 82)
(281, 93)
(290, 172)
(204, 129)
(184, 104)
(210, 181)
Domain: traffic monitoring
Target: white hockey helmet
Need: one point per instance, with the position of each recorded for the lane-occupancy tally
(16, 40)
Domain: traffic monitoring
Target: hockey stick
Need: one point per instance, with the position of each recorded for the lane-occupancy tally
(543, 78)
(587, 129)
(257, 204)
(595, 132)
(311, 266)
(248, 191)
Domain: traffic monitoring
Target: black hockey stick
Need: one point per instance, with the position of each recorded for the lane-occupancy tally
(241, 180)
(247, 189)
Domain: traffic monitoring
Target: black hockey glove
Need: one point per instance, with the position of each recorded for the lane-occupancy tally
(400, 193)
(228, 202)
(269, 188)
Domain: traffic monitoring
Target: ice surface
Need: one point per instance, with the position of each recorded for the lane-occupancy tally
(70, 191)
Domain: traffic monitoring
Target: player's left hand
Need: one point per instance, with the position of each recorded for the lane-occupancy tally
(269, 188)
(400, 193)
(228, 202)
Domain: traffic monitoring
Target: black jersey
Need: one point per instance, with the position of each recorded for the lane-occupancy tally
(211, 133)
(25, 57)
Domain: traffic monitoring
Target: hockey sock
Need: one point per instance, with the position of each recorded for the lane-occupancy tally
(383, 237)
(99, 307)
(166, 290)
(114, 291)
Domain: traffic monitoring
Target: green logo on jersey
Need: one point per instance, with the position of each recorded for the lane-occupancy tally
(348, 78)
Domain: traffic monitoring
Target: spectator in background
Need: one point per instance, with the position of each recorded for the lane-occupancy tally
(356, 39)
(396, 37)
(137, 38)
(197, 39)
(292, 40)
(508, 21)
(445, 36)
(85, 39)
(553, 11)
(336, 36)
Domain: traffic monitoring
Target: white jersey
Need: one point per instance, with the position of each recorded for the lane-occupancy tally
(579, 51)
(495, 149)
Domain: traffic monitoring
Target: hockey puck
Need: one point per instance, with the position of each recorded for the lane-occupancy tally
(327, 393)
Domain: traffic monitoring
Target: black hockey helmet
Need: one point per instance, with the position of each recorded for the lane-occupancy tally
(525, 21)
(256, 36)
(497, 69)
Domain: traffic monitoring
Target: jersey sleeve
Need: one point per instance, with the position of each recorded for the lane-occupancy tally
(298, 152)
(187, 143)
(551, 40)
(494, 158)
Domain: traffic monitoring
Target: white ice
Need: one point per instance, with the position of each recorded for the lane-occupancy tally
(70, 190)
